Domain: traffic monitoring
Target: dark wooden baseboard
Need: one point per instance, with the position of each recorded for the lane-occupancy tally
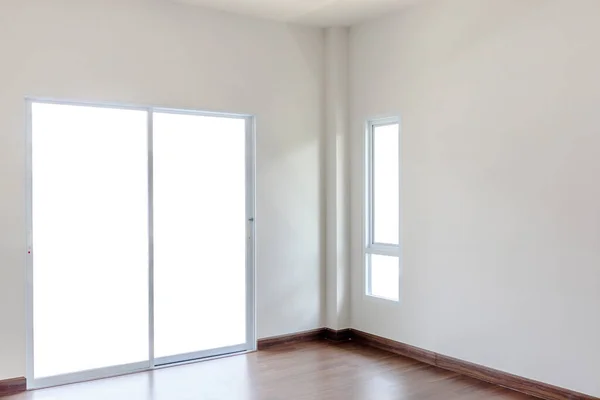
(514, 382)
(12, 386)
(426, 356)
(306, 336)
(337, 336)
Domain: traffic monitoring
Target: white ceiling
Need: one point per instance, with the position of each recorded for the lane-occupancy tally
(312, 12)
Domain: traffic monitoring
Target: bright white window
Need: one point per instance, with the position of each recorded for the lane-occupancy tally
(382, 247)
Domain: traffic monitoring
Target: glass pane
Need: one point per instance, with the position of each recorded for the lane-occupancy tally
(386, 184)
(384, 276)
(199, 233)
(90, 238)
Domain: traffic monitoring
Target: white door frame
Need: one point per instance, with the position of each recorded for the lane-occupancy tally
(152, 363)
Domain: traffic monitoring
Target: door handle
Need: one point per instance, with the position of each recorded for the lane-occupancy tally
(249, 228)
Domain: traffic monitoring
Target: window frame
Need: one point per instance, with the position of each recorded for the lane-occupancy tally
(370, 246)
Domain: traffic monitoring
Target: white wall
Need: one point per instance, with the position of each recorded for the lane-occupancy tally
(337, 166)
(159, 53)
(501, 200)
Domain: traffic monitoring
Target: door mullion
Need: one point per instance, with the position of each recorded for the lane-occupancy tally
(150, 142)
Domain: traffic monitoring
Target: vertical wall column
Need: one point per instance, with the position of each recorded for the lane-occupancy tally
(337, 179)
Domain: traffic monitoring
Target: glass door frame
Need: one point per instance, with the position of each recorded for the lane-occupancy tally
(152, 362)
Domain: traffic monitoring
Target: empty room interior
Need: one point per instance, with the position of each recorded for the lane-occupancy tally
(299, 199)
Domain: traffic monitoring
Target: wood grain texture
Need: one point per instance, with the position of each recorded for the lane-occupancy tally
(12, 386)
(354, 365)
(300, 337)
(514, 382)
(313, 370)
(504, 379)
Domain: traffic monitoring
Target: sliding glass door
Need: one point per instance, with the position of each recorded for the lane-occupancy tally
(89, 198)
(141, 239)
(200, 225)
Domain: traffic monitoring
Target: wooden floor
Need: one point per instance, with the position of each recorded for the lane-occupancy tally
(314, 370)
